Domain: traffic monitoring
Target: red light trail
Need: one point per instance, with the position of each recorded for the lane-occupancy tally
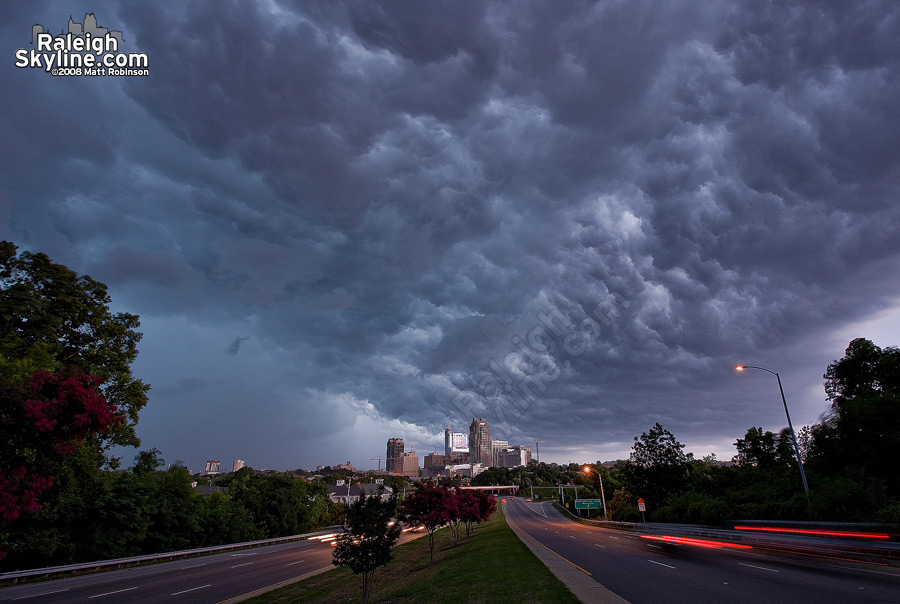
(697, 542)
(819, 533)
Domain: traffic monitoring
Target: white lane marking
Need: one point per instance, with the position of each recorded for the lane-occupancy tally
(656, 546)
(598, 545)
(178, 593)
(297, 562)
(616, 538)
(244, 564)
(537, 508)
(46, 593)
(771, 570)
(109, 593)
(572, 537)
(194, 566)
(247, 554)
(660, 563)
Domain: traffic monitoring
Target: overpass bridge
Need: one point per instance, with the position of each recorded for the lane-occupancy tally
(495, 489)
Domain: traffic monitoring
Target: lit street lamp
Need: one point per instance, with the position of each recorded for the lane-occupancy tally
(587, 470)
(790, 425)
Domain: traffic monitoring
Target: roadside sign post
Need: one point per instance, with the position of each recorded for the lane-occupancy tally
(588, 504)
(642, 507)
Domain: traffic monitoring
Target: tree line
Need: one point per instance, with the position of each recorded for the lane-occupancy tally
(93, 514)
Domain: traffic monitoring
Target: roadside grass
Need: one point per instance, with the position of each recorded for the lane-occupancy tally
(490, 566)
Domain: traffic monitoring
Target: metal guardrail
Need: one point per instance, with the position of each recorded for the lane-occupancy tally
(119, 562)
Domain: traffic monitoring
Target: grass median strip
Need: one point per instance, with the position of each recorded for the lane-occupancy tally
(490, 566)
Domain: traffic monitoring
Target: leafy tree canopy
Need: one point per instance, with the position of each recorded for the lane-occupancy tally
(860, 435)
(366, 542)
(53, 320)
(658, 448)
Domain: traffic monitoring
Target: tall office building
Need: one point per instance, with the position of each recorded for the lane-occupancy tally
(497, 447)
(480, 442)
(392, 463)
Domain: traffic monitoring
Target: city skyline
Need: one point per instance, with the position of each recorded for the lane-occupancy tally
(572, 220)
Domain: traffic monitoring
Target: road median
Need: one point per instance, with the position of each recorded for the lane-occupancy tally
(492, 565)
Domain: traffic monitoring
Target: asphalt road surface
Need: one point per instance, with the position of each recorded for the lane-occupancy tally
(209, 579)
(644, 571)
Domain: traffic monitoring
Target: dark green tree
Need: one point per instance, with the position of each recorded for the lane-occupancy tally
(174, 513)
(659, 466)
(280, 504)
(222, 520)
(493, 476)
(757, 448)
(365, 545)
(859, 439)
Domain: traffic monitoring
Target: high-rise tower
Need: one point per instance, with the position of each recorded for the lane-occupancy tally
(392, 463)
(448, 435)
(480, 442)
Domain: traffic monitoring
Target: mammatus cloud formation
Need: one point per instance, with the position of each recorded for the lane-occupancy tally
(343, 222)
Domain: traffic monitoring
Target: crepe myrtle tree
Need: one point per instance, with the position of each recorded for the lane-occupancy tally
(368, 536)
(429, 506)
(65, 377)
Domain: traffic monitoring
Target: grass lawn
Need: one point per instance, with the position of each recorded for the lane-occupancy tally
(490, 566)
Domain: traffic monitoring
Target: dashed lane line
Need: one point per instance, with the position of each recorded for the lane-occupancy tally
(46, 593)
(178, 593)
(771, 570)
(112, 593)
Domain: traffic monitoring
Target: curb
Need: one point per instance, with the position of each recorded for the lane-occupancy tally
(579, 582)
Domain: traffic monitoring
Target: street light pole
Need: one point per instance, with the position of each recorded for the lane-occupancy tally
(790, 425)
(602, 494)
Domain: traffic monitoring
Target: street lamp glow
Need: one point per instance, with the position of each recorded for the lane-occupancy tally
(587, 470)
(738, 367)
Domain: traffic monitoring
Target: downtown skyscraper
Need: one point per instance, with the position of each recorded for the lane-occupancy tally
(392, 460)
(480, 442)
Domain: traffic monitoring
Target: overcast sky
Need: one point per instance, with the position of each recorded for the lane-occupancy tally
(345, 222)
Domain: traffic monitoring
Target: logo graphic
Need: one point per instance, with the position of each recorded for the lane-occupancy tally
(86, 50)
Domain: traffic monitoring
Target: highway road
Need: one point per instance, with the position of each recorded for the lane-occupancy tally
(644, 571)
(211, 579)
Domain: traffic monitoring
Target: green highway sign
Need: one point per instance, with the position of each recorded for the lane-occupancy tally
(588, 504)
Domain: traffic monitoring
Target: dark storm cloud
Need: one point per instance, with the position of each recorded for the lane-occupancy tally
(235, 345)
(569, 218)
